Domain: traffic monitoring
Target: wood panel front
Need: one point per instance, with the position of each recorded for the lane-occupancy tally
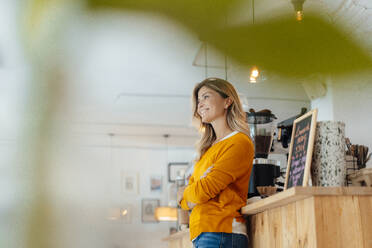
(320, 221)
(338, 222)
(279, 227)
(365, 206)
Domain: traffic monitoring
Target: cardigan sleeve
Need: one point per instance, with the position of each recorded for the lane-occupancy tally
(231, 164)
(183, 203)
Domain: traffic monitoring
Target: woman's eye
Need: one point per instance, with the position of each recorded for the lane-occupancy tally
(205, 97)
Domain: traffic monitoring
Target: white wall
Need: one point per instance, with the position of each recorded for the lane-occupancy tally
(353, 105)
(145, 163)
(349, 99)
(325, 104)
(85, 182)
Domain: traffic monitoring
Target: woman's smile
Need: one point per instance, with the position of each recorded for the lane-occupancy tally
(210, 105)
(203, 111)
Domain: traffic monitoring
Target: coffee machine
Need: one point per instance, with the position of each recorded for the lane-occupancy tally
(264, 171)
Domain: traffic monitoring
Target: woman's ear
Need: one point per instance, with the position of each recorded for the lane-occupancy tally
(228, 102)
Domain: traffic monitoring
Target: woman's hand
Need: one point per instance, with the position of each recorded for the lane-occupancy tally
(180, 197)
(180, 194)
(191, 205)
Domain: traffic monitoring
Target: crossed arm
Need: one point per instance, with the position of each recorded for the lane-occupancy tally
(190, 205)
(233, 163)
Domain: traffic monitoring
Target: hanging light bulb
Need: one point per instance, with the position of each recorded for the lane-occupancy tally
(298, 6)
(299, 15)
(255, 73)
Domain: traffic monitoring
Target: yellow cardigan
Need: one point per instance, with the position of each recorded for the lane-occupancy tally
(219, 185)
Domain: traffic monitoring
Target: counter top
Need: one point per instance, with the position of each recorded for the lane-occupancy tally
(177, 235)
(298, 193)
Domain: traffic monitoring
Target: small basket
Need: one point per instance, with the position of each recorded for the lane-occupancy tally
(266, 190)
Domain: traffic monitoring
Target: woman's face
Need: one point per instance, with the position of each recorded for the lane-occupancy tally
(211, 105)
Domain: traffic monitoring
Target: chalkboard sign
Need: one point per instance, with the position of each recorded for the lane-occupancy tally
(301, 150)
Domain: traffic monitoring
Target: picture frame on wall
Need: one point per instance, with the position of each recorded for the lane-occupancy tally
(156, 183)
(129, 182)
(148, 210)
(175, 169)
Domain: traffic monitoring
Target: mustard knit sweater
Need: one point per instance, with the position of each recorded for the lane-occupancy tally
(219, 185)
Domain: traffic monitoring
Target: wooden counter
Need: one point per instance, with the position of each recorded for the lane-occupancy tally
(312, 217)
(180, 239)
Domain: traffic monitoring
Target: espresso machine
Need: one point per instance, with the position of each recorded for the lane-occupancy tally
(264, 171)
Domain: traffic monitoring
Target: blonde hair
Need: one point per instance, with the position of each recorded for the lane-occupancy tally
(235, 117)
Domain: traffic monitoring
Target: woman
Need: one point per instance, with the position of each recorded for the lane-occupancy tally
(218, 187)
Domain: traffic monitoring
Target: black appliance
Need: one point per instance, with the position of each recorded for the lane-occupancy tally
(264, 171)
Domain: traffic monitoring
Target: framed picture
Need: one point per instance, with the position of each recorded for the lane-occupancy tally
(176, 169)
(301, 150)
(156, 183)
(129, 182)
(148, 209)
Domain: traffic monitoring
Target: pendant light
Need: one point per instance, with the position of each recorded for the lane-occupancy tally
(254, 72)
(298, 7)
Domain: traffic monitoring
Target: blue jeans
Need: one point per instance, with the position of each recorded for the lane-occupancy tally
(220, 240)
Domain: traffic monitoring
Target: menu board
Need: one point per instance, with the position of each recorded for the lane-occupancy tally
(301, 150)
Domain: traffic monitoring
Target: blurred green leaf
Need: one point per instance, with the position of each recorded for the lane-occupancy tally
(282, 45)
(290, 48)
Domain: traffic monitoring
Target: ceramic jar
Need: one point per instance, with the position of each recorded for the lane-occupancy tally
(328, 164)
